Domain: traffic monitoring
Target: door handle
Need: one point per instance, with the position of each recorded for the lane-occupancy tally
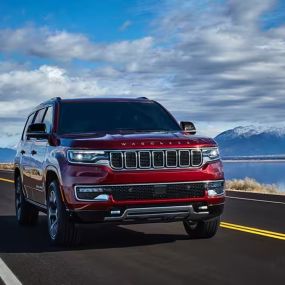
(22, 151)
(33, 152)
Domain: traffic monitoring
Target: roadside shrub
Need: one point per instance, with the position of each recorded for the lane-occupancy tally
(251, 185)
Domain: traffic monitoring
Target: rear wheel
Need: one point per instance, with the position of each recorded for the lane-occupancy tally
(26, 213)
(202, 229)
(62, 230)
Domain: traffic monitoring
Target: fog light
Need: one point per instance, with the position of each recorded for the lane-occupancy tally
(86, 193)
(89, 189)
(215, 188)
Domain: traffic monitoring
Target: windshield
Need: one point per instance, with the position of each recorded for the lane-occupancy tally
(88, 117)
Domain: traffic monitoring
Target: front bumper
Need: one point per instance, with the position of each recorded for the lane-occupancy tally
(150, 214)
(75, 176)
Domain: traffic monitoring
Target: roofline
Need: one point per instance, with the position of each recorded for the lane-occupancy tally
(54, 100)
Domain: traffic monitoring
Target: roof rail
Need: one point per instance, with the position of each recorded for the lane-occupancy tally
(145, 98)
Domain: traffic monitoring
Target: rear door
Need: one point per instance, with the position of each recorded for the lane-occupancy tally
(25, 155)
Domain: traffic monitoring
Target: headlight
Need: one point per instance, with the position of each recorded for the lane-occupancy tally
(87, 156)
(210, 154)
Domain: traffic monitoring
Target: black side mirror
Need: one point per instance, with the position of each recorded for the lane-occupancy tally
(37, 131)
(188, 127)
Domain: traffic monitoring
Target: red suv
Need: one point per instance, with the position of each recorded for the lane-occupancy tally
(115, 161)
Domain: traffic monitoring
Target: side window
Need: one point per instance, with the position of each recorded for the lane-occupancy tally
(39, 116)
(48, 119)
(28, 122)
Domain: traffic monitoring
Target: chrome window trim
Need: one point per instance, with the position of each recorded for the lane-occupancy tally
(166, 156)
(189, 153)
(163, 159)
(150, 159)
(125, 159)
(121, 153)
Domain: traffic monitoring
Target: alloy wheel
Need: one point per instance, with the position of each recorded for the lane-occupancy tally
(53, 214)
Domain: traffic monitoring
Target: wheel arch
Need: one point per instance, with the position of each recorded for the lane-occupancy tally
(51, 175)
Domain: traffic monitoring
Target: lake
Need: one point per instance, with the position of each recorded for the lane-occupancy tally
(263, 172)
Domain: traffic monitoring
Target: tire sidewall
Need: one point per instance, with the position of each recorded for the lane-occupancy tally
(54, 187)
(19, 211)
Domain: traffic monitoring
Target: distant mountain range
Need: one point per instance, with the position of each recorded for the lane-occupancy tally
(7, 155)
(252, 141)
(237, 142)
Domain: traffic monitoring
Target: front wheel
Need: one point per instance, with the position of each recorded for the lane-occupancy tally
(26, 213)
(202, 229)
(62, 230)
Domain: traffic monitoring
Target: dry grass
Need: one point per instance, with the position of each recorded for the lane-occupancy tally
(251, 185)
(6, 166)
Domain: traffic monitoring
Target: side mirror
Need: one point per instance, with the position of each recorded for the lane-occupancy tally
(188, 127)
(37, 131)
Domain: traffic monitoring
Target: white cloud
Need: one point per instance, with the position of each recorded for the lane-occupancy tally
(64, 46)
(206, 61)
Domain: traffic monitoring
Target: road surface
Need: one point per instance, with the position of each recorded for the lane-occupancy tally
(248, 249)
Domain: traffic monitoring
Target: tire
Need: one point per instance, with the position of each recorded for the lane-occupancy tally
(62, 230)
(202, 229)
(26, 213)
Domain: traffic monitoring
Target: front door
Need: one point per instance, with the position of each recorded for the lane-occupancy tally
(38, 153)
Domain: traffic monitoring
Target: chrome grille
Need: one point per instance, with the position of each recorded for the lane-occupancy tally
(147, 159)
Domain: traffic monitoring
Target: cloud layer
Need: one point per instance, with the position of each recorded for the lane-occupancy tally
(207, 61)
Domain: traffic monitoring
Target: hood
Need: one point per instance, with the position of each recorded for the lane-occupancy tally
(135, 140)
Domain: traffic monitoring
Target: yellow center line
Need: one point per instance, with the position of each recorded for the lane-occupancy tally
(6, 180)
(256, 231)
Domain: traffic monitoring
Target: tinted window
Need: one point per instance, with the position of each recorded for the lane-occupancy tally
(39, 116)
(28, 122)
(85, 117)
(48, 119)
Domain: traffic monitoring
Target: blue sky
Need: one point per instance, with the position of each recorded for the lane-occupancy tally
(219, 63)
(101, 20)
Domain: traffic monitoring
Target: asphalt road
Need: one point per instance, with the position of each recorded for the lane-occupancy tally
(153, 253)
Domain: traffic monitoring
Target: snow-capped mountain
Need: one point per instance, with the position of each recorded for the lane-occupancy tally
(252, 141)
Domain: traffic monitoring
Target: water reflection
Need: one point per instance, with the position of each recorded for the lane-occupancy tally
(263, 172)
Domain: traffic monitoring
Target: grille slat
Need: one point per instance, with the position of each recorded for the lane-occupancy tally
(116, 159)
(159, 191)
(184, 158)
(196, 156)
(158, 159)
(131, 159)
(171, 158)
(146, 159)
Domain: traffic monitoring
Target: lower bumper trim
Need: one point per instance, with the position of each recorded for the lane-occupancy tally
(172, 212)
(148, 214)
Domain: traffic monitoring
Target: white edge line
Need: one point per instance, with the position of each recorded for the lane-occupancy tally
(255, 200)
(7, 276)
